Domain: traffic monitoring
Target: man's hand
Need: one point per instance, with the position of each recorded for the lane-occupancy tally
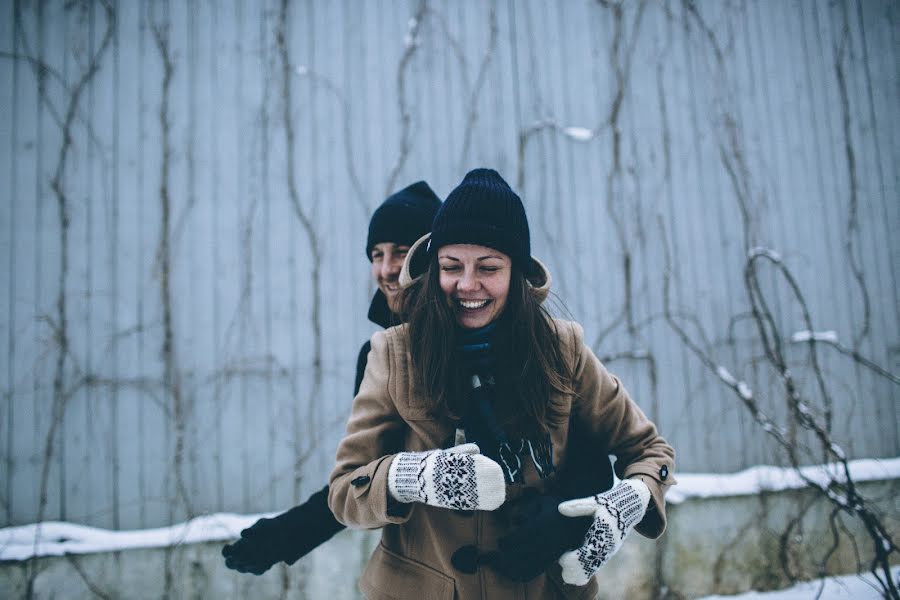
(538, 537)
(287, 537)
(261, 546)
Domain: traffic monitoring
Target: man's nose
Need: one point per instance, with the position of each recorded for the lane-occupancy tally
(390, 266)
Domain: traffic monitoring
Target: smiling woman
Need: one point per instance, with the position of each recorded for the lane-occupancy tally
(483, 402)
(475, 280)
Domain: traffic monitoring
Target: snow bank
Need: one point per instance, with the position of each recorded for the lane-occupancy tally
(53, 538)
(857, 587)
(772, 479)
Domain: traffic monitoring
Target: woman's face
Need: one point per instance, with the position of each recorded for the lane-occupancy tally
(475, 281)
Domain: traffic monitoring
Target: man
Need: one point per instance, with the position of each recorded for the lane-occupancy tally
(400, 220)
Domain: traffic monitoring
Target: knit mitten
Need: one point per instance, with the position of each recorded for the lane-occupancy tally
(459, 478)
(615, 513)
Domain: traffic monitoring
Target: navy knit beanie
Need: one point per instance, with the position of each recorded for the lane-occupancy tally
(404, 217)
(483, 210)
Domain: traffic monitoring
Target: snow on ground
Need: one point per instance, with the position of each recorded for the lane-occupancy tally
(848, 586)
(53, 538)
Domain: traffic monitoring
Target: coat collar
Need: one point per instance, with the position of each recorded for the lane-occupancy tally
(380, 313)
(537, 276)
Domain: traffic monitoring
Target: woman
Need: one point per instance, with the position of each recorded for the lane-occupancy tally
(463, 431)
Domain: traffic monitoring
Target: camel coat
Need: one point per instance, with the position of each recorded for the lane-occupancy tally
(413, 558)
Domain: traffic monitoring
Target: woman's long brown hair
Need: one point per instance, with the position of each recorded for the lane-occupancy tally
(530, 363)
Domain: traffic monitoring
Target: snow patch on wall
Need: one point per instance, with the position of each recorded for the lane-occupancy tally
(55, 538)
(766, 478)
(582, 134)
(819, 336)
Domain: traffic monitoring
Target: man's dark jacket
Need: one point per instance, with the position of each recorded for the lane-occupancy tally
(296, 532)
(320, 524)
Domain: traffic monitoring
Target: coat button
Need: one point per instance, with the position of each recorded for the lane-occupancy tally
(361, 481)
(664, 472)
(465, 559)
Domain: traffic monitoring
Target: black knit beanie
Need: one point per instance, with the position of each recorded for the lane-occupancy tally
(483, 210)
(404, 217)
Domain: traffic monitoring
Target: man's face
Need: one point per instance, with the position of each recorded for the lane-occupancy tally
(387, 260)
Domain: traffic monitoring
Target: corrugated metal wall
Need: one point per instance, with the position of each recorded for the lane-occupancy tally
(187, 188)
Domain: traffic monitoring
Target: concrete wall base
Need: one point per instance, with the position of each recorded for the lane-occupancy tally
(722, 545)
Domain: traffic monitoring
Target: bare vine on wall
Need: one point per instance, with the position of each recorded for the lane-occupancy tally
(804, 412)
(615, 201)
(171, 374)
(59, 323)
(472, 96)
(42, 73)
(805, 435)
(730, 136)
(411, 45)
(852, 232)
(305, 442)
(332, 88)
(620, 55)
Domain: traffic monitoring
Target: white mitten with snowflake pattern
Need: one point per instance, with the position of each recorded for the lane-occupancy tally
(615, 513)
(460, 478)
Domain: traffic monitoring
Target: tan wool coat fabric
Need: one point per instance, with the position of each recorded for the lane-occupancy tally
(413, 558)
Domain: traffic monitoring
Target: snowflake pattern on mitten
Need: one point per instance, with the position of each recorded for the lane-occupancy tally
(454, 481)
(458, 478)
(615, 512)
(603, 539)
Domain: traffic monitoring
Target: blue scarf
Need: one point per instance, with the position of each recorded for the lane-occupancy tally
(478, 353)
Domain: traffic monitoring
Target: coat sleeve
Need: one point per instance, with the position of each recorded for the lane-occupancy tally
(358, 489)
(603, 407)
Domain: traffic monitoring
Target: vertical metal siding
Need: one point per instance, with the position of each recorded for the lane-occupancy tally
(633, 132)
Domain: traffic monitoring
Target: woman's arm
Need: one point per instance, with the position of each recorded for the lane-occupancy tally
(358, 488)
(605, 410)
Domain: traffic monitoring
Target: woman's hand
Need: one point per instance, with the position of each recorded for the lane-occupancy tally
(615, 513)
(459, 478)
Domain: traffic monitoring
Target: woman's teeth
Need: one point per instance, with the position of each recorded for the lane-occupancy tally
(473, 304)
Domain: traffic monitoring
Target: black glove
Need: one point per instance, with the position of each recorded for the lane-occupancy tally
(540, 535)
(287, 537)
